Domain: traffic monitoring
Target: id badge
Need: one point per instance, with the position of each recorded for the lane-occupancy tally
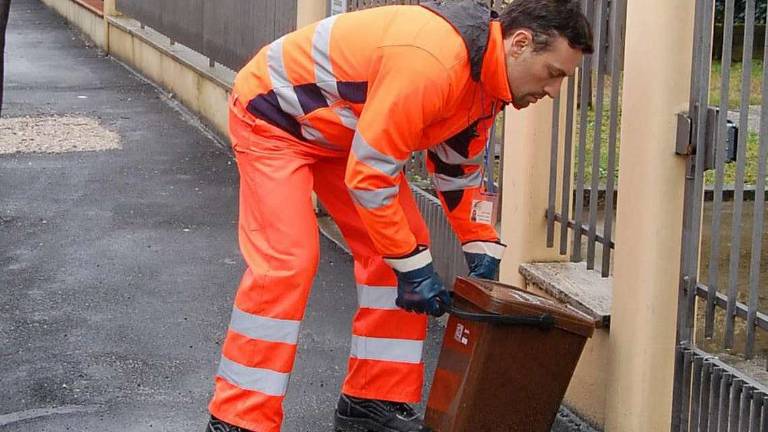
(484, 208)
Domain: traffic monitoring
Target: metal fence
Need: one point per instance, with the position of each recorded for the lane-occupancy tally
(226, 31)
(722, 267)
(721, 398)
(449, 262)
(588, 112)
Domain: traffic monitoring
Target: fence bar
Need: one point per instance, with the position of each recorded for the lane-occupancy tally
(553, 172)
(733, 412)
(617, 7)
(585, 83)
(724, 408)
(601, 31)
(744, 411)
(761, 319)
(694, 172)
(685, 388)
(565, 207)
(696, 392)
(715, 399)
(758, 214)
(584, 230)
(754, 412)
(746, 82)
(706, 394)
(764, 409)
(714, 252)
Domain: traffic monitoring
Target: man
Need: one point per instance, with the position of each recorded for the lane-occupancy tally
(338, 107)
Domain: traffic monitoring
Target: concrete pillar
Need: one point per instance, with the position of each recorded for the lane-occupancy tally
(525, 190)
(649, 216)
(110, 8)
(309, 11)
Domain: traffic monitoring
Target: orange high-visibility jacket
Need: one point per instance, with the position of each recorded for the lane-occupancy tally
(376, 86)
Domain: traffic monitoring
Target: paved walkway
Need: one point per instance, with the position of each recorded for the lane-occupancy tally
(118, 266)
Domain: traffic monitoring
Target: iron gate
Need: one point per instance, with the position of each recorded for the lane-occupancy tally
(718, 383)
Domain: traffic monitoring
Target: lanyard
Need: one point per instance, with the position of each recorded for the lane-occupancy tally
(489, 161)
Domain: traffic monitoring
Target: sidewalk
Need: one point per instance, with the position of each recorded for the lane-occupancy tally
(118, 266)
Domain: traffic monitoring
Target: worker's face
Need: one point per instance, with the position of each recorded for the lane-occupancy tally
(533, 74)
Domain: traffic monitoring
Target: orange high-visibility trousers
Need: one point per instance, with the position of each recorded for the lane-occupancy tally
(279, 241)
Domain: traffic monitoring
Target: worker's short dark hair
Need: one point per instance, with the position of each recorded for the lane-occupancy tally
(547, 19)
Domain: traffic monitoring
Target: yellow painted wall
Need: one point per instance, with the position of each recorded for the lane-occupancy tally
(650, 206)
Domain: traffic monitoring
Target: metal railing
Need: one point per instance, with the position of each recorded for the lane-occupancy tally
(229, 32)
(730, 290)
(722, 261)
(721, 398)
(599, 80)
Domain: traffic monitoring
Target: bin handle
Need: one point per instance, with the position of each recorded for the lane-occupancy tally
(543, 321)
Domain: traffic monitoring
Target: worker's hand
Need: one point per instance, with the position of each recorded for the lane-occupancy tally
(483, 258)
(419, 288)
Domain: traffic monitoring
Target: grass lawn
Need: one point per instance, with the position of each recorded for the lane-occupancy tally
(734, 86)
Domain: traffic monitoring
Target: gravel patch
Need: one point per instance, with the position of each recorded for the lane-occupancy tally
(55, 134)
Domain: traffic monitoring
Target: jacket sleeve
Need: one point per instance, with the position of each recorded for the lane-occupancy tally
(407, 90)
(457, 173)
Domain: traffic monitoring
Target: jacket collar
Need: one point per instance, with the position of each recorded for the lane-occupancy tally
(494, 70)
(482, 36)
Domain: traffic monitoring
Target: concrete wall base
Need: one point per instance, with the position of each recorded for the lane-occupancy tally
(84, 19)
(186, 74)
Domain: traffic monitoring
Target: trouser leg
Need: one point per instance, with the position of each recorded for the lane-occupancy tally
(386, 350)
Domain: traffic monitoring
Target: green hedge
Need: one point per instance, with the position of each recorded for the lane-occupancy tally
(738, 42)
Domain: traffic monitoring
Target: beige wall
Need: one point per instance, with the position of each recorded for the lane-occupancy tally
(85, 20)
(309, 11)
(586, 392)
(527, 143)
(649, 216)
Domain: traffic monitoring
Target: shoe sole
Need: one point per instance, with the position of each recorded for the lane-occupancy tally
(349, 424)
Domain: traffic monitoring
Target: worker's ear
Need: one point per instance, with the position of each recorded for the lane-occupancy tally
(518, 42)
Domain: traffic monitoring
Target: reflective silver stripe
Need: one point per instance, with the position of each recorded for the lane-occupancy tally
(373, 199)
(261, 380)
(495, 250)
(410, 263)
(374, 158)
(312, 134)
(448, 155)
(283, 88)
(445, 183)
(321, 47)
(395, 350)
(264, 328)
(347, 116)
(326, 79)
(376, 297)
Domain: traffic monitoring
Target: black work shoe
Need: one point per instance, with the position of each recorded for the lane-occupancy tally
(371, 415)
(216, 425)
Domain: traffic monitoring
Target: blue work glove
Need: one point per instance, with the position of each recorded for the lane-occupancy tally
(419, 288)
(483, 258)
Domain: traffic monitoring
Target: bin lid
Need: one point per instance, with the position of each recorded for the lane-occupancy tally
(502, 299)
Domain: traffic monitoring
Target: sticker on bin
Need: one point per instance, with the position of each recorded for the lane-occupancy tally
(461, 334)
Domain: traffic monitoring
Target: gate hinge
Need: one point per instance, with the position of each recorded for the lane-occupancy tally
(686, 144)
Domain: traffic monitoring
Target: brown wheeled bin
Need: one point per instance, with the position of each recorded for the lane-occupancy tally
(507, 358)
